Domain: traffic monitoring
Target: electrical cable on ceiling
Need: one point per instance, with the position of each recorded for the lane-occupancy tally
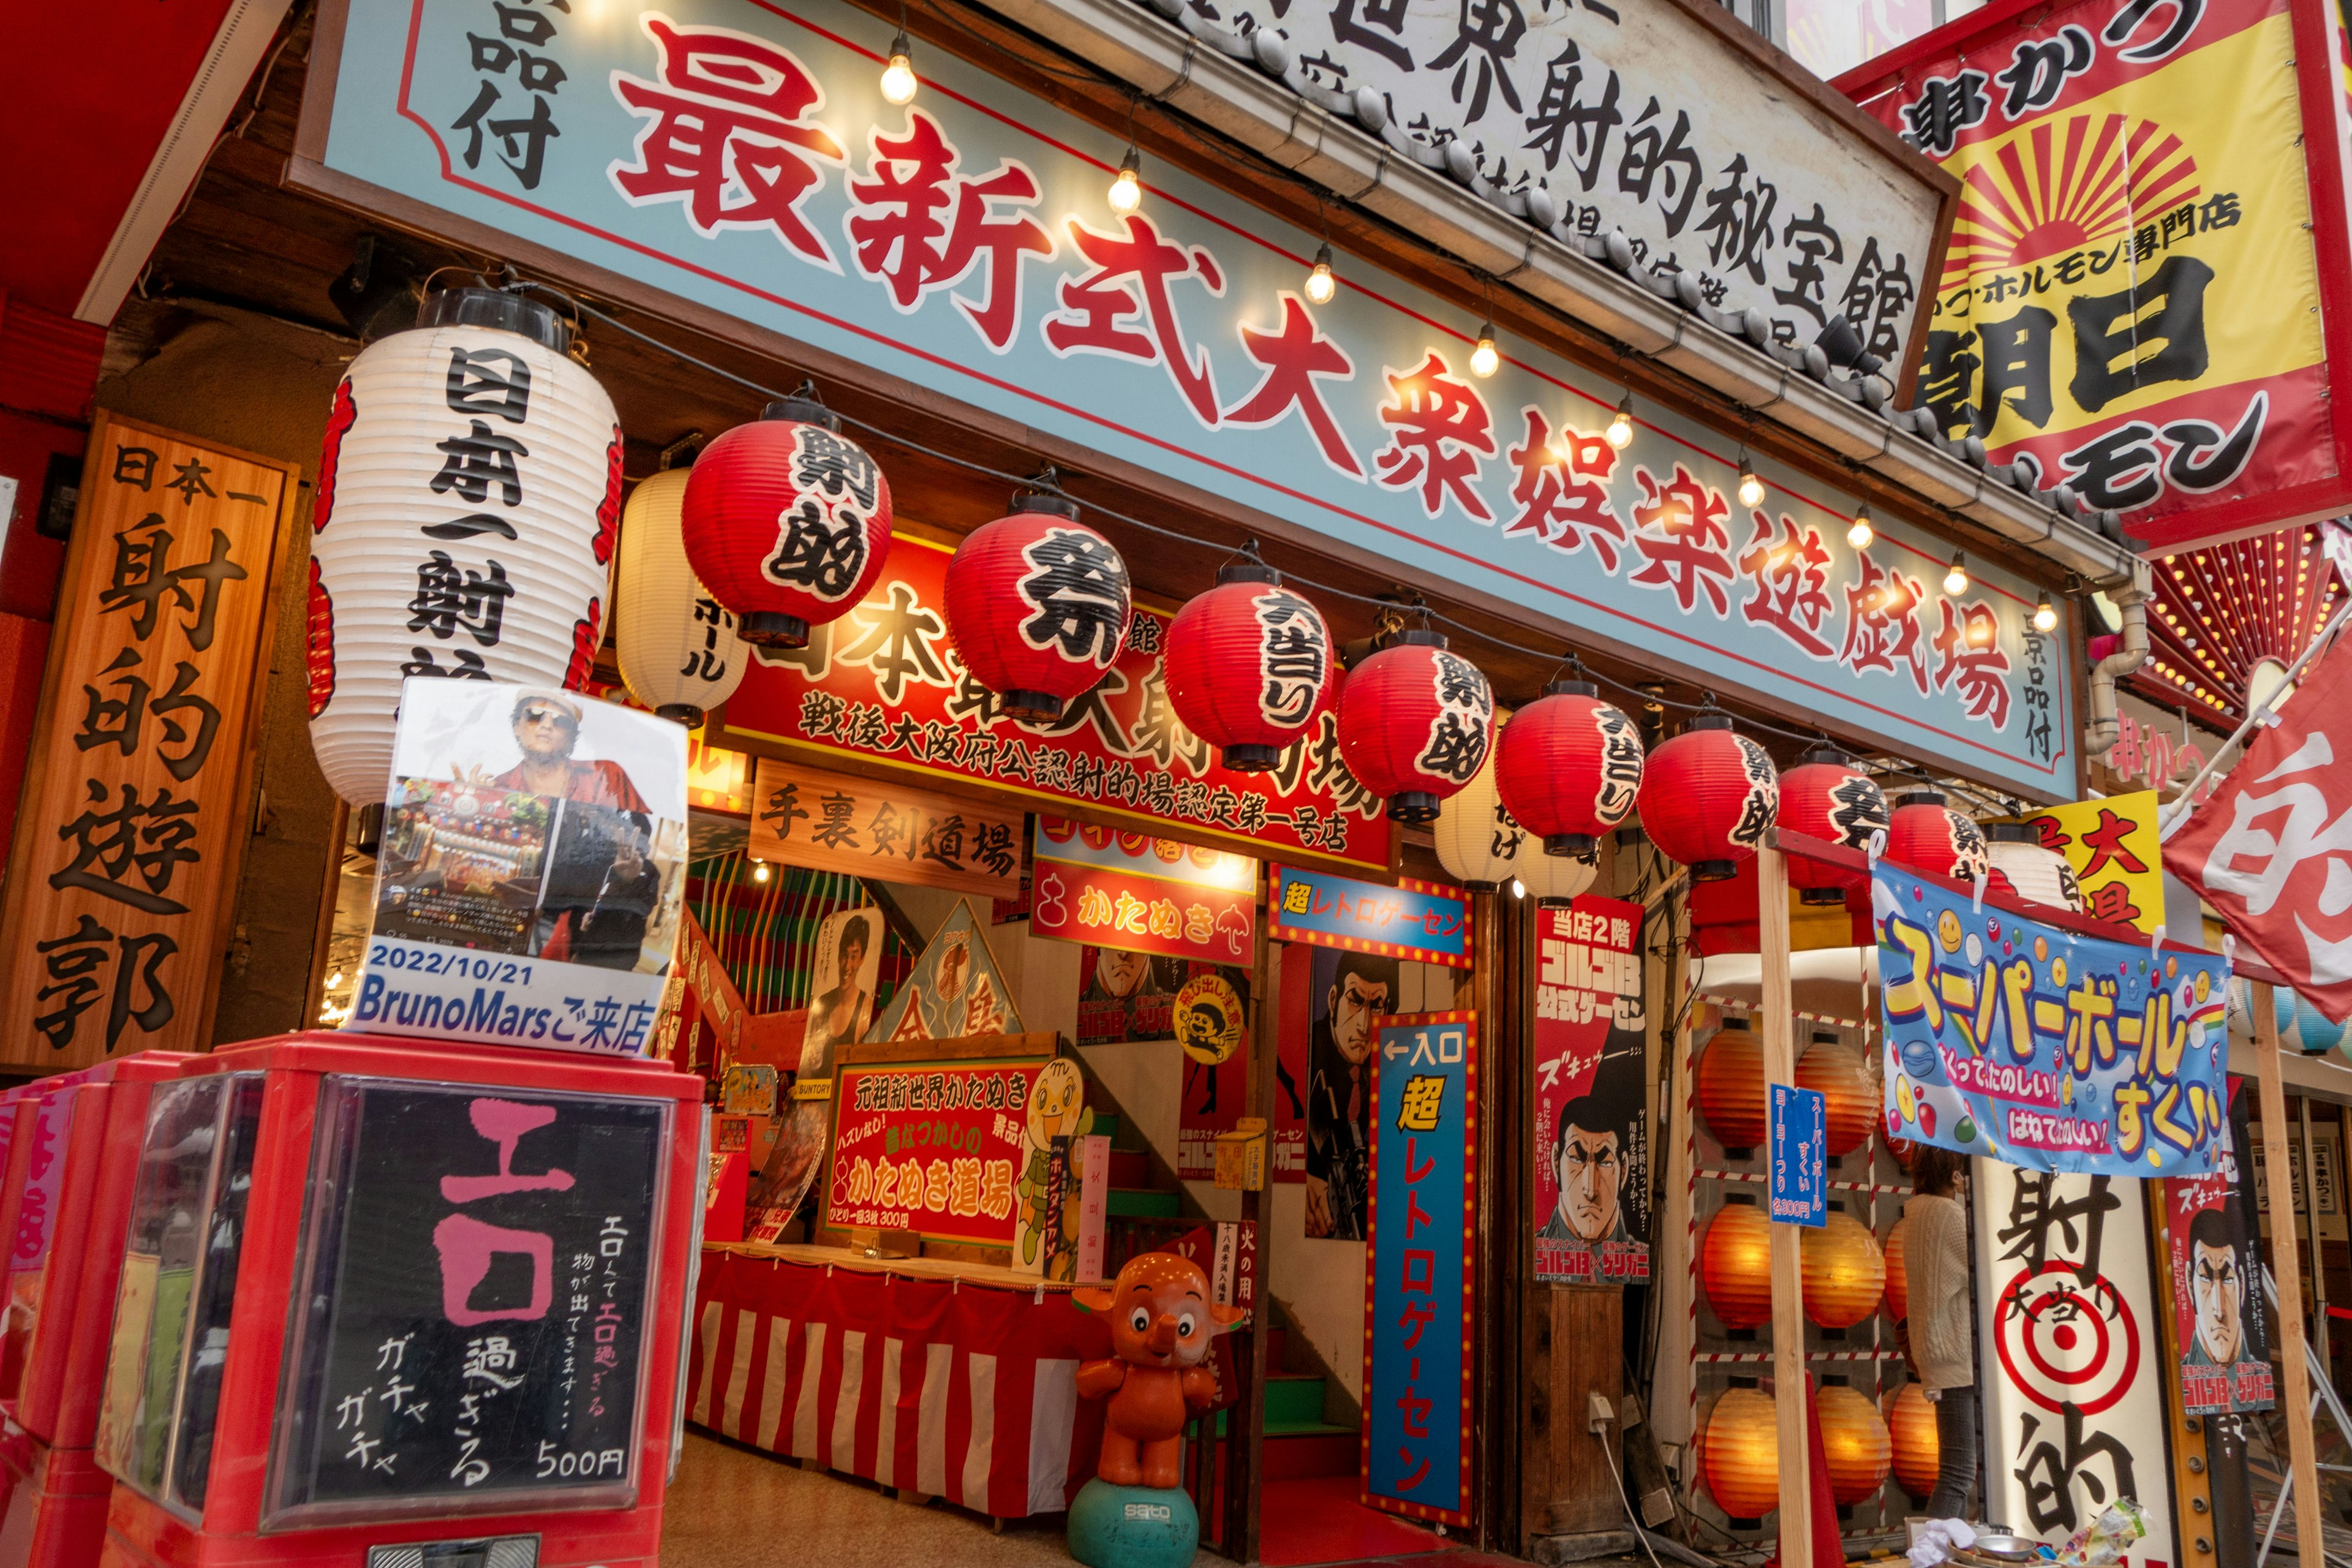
(1052, 486)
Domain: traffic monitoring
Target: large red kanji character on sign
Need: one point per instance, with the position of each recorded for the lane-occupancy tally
(1294, 358)
(1439, 429)
(918, 225)
(1792, 577)
(1882, 629)
(1678, 529)
(1562, 492)
(728, 121)
(1967, 650)
(1094, 306)
(2106, 843)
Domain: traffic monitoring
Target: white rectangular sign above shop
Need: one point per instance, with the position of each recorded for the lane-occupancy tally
(1656, 117)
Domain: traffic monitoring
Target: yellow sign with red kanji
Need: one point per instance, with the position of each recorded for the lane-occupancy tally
(2131, 297)
(2112, 845)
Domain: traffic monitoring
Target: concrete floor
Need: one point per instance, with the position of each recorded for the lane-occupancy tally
(733, 1507)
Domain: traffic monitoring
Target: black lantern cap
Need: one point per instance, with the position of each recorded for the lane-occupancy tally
(496, 308)
(805, 407)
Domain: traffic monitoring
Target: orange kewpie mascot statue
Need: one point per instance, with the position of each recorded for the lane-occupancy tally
(1161, 1321)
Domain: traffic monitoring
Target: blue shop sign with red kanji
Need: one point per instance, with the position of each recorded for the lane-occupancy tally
(1420, 921)
(1420, 1271)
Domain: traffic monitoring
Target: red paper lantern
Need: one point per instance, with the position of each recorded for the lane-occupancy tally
(1922, 832)
(1415, 724)
(786, 521)
(1837, 1072)
(1899, 1284)
(1740, 1452)
(1730, 1087)
(1708, 796)
(1854, 1444)
(1844, 1273)
(1569, 767)
(1826, 797)
(1911, 1429)
(1248, 664)
(1734, 1264)
(1038, 606)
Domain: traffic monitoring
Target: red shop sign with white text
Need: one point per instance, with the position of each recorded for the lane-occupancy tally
(1142, 894)
(883, 684)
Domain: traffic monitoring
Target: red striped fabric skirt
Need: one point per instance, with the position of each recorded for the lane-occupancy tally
(961, 1391)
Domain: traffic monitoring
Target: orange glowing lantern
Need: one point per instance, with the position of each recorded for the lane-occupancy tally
(1855, 1443)
(1911, 1426)
(1899, 1284)
(1844, 1273)
(1740, 1452)
(1731, 1087)
(1850, 1105)
(1736, 1264)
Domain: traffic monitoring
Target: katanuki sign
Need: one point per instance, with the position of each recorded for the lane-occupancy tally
(2132, 300)
(739, 157)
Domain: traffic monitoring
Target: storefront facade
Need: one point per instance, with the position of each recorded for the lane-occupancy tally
(1433, 385)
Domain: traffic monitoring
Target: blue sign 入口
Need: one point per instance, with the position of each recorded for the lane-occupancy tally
(739, 156)
(1419, 1268)
(1800, 1172)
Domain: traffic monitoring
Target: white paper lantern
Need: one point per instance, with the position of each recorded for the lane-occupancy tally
(469, 495)
(2040, 876)
(1479, 845)
(678, 652)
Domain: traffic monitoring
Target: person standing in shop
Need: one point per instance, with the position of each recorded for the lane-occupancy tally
(1941, 1327)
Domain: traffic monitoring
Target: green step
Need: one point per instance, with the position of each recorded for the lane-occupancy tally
(1106, 1127)
(1137, 1203)
(1292, 1399)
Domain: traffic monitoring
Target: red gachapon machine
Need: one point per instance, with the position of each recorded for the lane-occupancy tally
(386, 1303)
(72, 1169)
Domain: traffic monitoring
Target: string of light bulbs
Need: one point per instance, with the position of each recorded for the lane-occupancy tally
(1619, 434)
(899, 84)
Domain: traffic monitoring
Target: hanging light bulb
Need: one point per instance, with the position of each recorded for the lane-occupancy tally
(1956, 581)
(1751, 489)
(1126, 190)
(1861, 533)
(1320, 284)
(1621, 430)
(1483, 360)
(2046, 615)
(334, 980)
(1518, 888)
(758, 871)
(899, 81)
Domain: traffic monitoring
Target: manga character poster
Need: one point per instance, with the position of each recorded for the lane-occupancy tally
(1591, 1134)
(1350, 994)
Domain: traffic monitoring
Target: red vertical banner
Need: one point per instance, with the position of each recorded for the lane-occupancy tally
(1591, 1134)
(1293, 1019)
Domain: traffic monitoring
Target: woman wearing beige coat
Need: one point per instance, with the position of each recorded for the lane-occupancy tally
(1943, 1341)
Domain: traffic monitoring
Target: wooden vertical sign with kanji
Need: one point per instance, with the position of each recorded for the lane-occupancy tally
(120, 883)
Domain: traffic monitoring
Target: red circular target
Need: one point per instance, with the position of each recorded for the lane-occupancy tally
(2064, 1341)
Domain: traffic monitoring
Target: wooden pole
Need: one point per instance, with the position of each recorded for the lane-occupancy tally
(2287, 1270)
(1775, 1007)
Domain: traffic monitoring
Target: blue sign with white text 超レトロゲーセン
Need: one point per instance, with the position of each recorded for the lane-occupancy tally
(1419, 1270)
(2042, 1046)
(740, 156)
(1418, 921)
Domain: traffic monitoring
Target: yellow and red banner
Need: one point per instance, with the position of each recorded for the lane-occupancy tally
(2132, 300)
